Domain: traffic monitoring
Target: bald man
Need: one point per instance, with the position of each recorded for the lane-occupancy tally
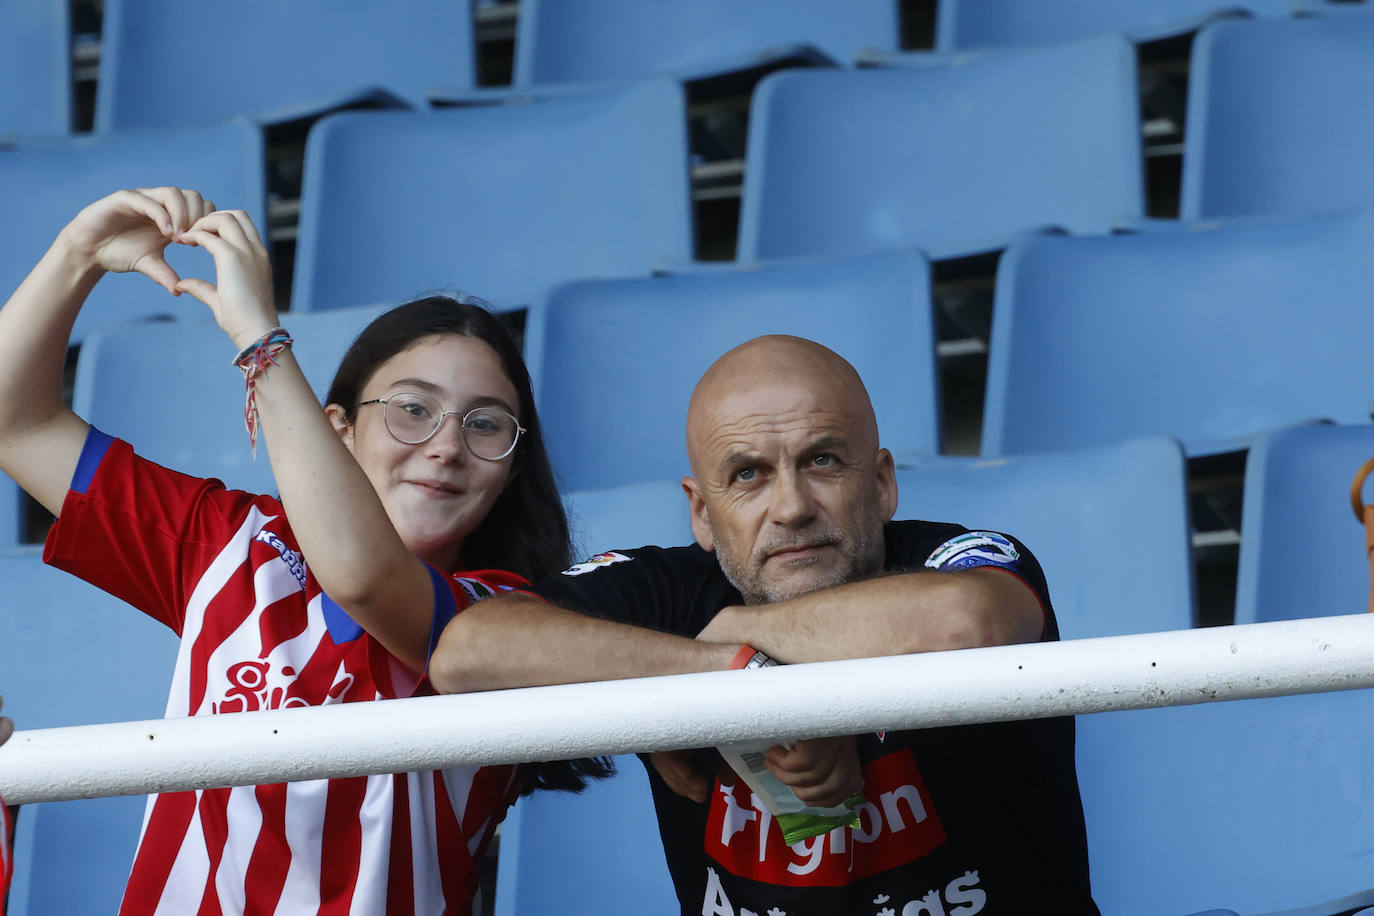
(791, 499)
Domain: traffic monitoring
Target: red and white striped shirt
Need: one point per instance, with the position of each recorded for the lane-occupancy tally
(222, 569)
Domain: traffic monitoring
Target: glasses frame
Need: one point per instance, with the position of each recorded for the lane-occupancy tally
(444, 415)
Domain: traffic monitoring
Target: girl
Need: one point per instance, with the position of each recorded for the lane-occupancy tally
(427, 460)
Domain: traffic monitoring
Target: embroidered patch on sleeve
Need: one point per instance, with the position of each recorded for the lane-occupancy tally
(476, 589)
(597, 562)
(975, 548)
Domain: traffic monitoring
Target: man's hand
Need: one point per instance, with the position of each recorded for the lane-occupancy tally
(692, 774)
(6, 726)
(822, 771)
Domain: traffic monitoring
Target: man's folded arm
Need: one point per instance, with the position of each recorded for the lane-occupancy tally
(890, 615)
(518, 640)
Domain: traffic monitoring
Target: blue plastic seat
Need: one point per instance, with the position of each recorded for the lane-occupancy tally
(74, 655)
(279, 61)
(1279, 117)
(503, 201)
(963, 25)
(184, 409)
(652, 512)
(1211, 336)
(580, 40)
(588, 854)
(956, 156)
(1109, 526)
(35, 68)
(614, 362)
(1253, 805)
(1302, 549)
(46, 183)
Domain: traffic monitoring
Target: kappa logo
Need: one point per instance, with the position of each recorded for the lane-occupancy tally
(975, 548)
(292, 558)
(599, 561)
(898, 824)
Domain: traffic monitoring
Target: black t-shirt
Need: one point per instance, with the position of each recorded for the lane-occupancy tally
(958, 820)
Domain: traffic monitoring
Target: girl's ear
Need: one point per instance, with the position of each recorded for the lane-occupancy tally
(338, 418)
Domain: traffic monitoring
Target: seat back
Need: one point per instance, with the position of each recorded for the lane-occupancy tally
(74, 655)
(1301, 548)
(184, 410)
(651, 513)
(955, 156)
(1095, 519)
(571, 40)
(35, 68)
(1211, 336)
(1256, 805)
(502, 201)
(591, 852)
(289, 60)
(614, 362)
(585, 854)
(963, 25)
(1279, 117)
(50, 181)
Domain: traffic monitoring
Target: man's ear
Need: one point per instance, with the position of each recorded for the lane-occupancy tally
(338, 418)
(701, 520)
(886, 473)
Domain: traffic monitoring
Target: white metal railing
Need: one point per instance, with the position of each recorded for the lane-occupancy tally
(694, 710)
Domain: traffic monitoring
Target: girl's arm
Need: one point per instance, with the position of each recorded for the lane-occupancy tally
(336, 515)
(40, 438)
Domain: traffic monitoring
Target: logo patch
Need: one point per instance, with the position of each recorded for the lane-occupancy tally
(292, 558)
(898, 824)
(597, 562)
(477, 590)
(975, 548)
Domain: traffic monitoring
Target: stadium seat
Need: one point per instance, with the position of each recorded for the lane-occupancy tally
(588, 854)
(73, 655)
(501, 200)
(1302, 549)
(956, 156)
(35, 68)
(1254, 805)
(277, 61)
(652, 512)
(1279, 119)
(184, 409)
(1108, 524)
(579, 40)
(1212, 336)
(614, 361)
(963, 25)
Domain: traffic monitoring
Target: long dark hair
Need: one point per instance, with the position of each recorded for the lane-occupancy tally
(526, 530)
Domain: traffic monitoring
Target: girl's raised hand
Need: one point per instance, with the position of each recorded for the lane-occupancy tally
(241, 297)
(130, 230)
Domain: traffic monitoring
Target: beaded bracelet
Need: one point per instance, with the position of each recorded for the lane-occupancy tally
(253, 360)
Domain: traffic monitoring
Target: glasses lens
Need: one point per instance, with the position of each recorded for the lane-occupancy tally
(412, 417)
(490, 432)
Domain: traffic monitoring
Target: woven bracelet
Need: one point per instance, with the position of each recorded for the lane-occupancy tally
(253, 360)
